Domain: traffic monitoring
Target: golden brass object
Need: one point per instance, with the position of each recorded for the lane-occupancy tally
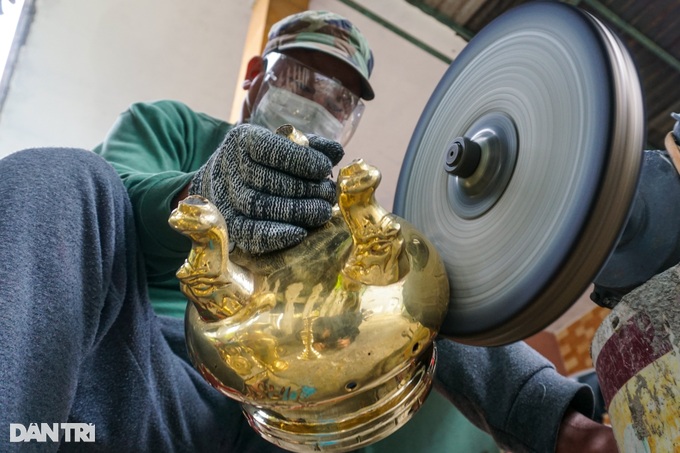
(328, 345)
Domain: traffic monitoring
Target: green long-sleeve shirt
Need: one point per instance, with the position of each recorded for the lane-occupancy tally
(156, 148)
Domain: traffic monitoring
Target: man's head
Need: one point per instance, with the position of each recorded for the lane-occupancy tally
(314, 71)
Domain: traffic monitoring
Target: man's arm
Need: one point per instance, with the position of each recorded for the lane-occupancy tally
(156, 148)
(515, 394)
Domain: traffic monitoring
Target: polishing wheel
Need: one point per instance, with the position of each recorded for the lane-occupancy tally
(523, 167)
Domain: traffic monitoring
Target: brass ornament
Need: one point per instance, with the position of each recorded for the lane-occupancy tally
(328, 345)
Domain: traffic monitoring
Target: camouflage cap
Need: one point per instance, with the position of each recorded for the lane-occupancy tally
(326, 32)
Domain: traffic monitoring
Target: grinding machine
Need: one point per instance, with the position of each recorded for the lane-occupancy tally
(525, 182)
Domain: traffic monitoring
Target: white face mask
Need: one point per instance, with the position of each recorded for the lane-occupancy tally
(279, 106)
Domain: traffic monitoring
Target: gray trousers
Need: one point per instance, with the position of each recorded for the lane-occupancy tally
(79, 341)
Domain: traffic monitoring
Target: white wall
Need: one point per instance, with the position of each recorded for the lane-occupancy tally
(85, 61)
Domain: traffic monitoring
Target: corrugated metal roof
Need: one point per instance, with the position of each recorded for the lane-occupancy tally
(649, 28)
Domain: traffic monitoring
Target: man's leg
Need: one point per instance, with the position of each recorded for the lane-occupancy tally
(78, 339)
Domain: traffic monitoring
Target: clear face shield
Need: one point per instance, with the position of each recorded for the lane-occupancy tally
(292, 93)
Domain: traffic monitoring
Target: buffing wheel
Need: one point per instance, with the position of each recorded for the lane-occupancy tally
(523, 166)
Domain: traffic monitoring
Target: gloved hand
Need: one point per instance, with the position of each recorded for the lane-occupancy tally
(269, 189)
(676, 127)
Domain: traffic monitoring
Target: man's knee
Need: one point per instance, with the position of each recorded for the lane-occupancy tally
(55, 169)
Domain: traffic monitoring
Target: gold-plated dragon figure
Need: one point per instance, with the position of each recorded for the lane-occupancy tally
(327, 345)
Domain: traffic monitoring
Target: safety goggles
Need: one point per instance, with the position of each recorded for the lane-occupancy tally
(290, 74)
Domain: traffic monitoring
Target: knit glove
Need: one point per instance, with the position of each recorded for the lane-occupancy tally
(269, 189)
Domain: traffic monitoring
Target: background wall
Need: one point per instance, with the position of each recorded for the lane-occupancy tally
(84, 62)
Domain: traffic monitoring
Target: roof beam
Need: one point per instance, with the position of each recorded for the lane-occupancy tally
(398, 31)
(464, 32)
